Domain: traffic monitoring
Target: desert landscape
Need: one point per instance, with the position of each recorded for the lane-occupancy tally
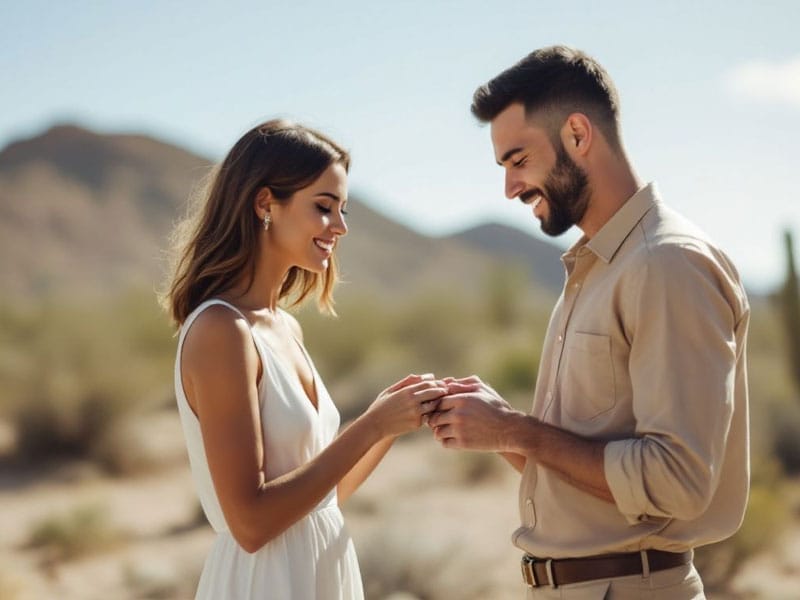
(429, 524)
(96, 499)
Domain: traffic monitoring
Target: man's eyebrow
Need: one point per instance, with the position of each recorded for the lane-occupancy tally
(508, 155)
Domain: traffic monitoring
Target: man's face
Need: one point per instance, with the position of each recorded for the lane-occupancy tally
(538, 174)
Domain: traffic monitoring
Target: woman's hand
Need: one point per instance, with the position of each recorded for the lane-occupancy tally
(472, 416)
(401, 407)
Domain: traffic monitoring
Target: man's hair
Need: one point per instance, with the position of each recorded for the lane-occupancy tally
(554, 82)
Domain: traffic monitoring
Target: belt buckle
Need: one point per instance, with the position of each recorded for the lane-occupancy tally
(528, 572)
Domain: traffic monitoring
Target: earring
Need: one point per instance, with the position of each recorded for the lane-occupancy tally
(267, 221)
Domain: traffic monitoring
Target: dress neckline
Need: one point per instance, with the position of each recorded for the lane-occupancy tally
(292, 375)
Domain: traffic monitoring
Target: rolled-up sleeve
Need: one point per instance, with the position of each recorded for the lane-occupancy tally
(682, 366)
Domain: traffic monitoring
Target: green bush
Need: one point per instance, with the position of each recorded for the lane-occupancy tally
(473, 468)
(438, 332)
(84, 530)
(514, 369)
(767, 516)
(399, 563)
(72, 372)
(505, 293)
(785, 421)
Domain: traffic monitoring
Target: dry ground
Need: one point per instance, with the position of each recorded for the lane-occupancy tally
(429, 522)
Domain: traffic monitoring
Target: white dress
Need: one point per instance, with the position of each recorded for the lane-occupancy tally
(314, 558)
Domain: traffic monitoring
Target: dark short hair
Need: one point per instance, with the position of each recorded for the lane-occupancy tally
(555, 81)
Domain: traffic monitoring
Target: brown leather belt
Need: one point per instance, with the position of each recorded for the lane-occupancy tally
(562, 571)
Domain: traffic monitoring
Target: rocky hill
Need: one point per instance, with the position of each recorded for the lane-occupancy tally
(88, 213)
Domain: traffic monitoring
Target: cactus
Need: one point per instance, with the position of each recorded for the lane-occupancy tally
(790, 304)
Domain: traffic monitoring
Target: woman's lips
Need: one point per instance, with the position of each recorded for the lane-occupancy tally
(326, 245)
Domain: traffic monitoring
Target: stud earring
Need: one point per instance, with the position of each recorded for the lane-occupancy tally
(267, 221)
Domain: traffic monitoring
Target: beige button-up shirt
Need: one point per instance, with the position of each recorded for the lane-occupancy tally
(645, 349)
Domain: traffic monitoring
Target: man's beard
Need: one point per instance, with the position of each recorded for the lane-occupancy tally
(567, 192)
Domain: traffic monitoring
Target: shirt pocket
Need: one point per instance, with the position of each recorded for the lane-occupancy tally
(587, 376)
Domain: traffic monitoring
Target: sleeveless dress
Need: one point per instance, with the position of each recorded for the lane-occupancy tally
(314, 559)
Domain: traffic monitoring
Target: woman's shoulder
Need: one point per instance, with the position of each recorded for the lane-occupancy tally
(218, 329)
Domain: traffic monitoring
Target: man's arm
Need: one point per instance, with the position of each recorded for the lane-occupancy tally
(682, 324)
(481, 420)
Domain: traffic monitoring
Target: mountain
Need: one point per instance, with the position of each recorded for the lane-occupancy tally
(82, 212)
(541, 259)
(88, 213)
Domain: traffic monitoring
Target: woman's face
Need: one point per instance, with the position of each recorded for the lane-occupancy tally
(305, 229)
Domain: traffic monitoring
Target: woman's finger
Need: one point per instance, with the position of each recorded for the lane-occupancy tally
(407, 380)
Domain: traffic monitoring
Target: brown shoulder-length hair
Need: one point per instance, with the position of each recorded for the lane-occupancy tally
(216, 244)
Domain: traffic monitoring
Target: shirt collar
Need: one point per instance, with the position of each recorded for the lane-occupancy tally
(608, 240)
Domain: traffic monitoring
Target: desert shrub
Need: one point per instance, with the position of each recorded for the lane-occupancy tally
(767, 516)
(75, 426)
(496, 335)
(473, 468)
(504, 293)
(129, 446)
(402, 564)
(151, 580)
(438, 332)
(785, 425)
(73, 372)
(514, 369)
(340, 345)
(386, 365)
(84, 530)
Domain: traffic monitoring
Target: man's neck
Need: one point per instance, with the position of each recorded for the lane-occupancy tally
(613, 182)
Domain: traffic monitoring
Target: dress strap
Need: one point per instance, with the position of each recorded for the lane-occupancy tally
(210, 302)
(187, 324)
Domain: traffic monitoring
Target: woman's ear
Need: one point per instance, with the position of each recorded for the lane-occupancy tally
(263, 203)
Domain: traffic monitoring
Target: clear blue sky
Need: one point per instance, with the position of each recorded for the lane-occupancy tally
(710, 93)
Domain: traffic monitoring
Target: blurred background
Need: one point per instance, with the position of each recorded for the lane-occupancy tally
(112, 113)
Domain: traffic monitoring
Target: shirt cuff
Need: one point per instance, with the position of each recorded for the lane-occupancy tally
(623, 470)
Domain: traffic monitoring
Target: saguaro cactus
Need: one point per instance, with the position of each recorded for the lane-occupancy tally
(790, 301)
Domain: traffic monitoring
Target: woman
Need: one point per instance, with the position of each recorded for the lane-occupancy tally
(260, 427)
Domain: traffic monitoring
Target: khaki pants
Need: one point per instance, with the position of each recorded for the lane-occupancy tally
(680, 583)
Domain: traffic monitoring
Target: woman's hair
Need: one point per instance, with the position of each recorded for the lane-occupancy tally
(216, 244)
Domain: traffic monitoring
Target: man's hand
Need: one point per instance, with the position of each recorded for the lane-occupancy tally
(472, 416)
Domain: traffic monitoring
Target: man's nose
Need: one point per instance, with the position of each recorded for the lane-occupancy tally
(514, 187)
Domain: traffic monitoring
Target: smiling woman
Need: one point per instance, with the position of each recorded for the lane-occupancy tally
(260, 427)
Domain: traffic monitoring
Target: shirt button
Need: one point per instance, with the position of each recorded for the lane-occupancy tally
(531, 512)
(560, 338)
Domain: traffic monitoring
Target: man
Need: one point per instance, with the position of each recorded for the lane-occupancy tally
(636, 449)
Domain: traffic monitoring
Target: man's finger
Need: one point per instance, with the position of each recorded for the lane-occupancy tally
(451, 401)
(442, 431)
(460, 388)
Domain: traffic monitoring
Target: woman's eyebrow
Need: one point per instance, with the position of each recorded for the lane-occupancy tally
(329, 195)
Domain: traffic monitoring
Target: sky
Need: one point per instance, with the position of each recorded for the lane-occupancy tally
(710, 94)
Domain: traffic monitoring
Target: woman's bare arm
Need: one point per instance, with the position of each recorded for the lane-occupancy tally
(220, 370)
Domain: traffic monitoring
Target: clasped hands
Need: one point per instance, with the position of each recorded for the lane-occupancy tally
(470, 416)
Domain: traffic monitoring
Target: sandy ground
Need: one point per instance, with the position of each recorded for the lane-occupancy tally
(429, 523)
